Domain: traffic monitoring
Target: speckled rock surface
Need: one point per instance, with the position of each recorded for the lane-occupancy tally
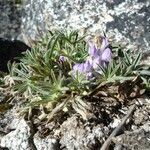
(125, 21)
(10, 19)
(138, 142)
(18, 139)
(47, 143)
(76, 136)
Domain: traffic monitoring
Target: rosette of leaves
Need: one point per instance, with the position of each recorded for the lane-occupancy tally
(43, 79)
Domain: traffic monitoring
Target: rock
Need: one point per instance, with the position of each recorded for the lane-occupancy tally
(18, 139)
(125, 21)
(9, 50)
(115, 123)
(47, 143)
(135, 140)
(10, 19)
(141, 115)
(77, 136)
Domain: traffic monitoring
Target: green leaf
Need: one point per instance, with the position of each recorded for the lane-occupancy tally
(137, 61)
(127, 59)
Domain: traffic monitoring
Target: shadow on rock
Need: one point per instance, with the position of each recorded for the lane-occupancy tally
(9, 51)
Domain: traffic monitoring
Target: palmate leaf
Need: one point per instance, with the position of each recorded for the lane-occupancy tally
(70, 37)
(128, 59)
(23, 72)
(72, 46)
(21, 77)
(110, 71)
(56, 84)
(40, 64)
(51, 48)
(78, 82)
(30, 57)
(50, 92)
(113, 69)
(134, 66)
(39, 58)
(137, 60)
(120, 69)
(11, 68)
(35, 61)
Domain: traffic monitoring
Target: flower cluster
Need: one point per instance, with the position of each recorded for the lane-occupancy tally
(99, 55)
(83, 68)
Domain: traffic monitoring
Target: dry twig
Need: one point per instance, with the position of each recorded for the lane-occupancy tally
(107, 143)
(56, 110)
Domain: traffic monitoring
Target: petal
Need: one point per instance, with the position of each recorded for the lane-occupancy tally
(90, 60)
(104, 43)
(78, 67)
(75, 67)
(93, 51)
(89, 75)
(104, 64)
(106, 55)
(62, 58)
(96, 62)
(81, 67)
(87, 66)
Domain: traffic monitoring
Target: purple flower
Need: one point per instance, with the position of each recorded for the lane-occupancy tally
(99, 51)
(99, 55)
(93, 51)
(78, 68)
(96, 62)
(95, 47)
(83, 68)
(75, 67)
(89, 75)
(87, 66)
(104, 43)
(106, 55)
(61, 58)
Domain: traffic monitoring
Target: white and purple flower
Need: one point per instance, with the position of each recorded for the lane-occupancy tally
(99, 52)
(99, 55)
(83, 68)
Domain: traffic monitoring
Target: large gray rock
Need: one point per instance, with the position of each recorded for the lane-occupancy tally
(47, 143)
(10, 19)
(124, 21)
(18, 139)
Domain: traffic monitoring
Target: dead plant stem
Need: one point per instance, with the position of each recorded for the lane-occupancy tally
(107, 143)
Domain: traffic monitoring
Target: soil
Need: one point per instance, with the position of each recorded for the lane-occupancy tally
(89, 127)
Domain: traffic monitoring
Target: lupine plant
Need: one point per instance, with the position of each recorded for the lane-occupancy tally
(64, 67)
